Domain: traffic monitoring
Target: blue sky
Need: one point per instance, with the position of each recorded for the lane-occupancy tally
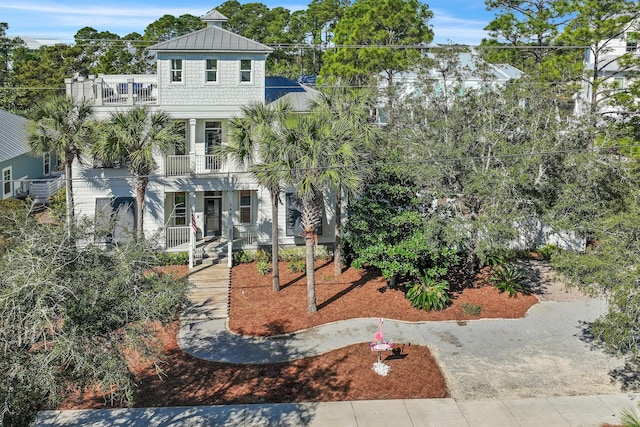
(458, 21)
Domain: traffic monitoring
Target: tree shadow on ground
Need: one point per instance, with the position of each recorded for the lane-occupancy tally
(628, 375)
(367, 276)
(302, 274)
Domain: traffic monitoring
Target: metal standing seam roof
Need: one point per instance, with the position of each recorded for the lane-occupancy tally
(13, 136)
(212, 39)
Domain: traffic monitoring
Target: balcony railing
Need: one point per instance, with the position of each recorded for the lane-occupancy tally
(197, 164)
(40, 191)
(114, 89)
(247, 234)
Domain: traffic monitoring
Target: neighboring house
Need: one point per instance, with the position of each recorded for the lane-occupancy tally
(203, 79)
(462, 71)
(613, 65)
(23, 173)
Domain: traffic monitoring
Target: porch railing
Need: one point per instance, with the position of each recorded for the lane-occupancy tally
(40, 191)
(247, 234)
(176, 236)
(202, 165)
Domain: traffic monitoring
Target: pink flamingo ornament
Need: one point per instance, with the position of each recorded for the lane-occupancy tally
(379, 337)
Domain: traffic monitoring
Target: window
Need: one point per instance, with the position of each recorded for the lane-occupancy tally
(212, 70)
(632, 41)
(6, 182)
(245, 71)
(180, 147)
(176, 70)
(115, 219)
(245, 206)
(294, 216)
(180, 208)
(212, 139)
(46, 164)
(618, 83)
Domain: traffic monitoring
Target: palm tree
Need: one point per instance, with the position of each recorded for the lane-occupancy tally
(318, 148)
(351, 109)
(257, 142)
(61, 125)
(134, 136)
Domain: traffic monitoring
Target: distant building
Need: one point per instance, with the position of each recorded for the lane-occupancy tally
(22, 173)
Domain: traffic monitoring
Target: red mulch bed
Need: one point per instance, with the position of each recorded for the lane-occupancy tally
(344, 374)
(257, 310)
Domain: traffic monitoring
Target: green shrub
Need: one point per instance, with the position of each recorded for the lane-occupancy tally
(499, 257)
(243, 257)
(297, 266)
(630, 418)
(547, 251)
(471, 309)
(261, 255)
(173, 258)
(291, 254)
(508, 278)
(428, 294)
(263, 267)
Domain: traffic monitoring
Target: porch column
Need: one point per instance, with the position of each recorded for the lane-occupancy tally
(192, 144)
(193, 229)
(129, 91)
(230, 229)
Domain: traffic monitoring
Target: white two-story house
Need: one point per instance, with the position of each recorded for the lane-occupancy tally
(203, 79)
(610, 67)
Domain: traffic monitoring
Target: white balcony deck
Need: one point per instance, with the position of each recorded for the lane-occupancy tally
(192, 164)
(117, 89)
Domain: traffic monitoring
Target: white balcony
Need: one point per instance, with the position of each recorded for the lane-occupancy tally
(41, 190)
(119, 89)
(192, 164)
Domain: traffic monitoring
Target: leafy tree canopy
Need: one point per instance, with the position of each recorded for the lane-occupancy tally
(370, 37)
(68, 312)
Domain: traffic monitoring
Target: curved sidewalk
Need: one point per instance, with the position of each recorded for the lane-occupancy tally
(546, 353)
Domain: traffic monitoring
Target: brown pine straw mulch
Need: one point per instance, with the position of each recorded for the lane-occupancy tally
(344, 374)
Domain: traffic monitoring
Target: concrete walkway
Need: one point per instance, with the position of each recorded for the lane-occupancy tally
(583, 411)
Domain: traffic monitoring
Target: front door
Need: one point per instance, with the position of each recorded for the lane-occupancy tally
(213, 216)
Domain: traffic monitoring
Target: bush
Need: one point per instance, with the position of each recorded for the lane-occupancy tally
(507, 278)
(173, 258)
(428, 294)
(243, 257)
(547, 251)
(263, 267)
(291, 254)
(297, 266)
(262, 255)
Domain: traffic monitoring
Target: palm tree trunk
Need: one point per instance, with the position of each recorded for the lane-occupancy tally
(69, 190)
(275, 269)
(337, 254)
(309, 239)
(141, 189)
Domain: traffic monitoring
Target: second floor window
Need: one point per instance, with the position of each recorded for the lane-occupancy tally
(245, 71)
(212, 70)
(176, 70)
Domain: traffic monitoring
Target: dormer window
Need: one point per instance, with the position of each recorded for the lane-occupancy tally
(245, 71)
(212, 70)
(176, 70)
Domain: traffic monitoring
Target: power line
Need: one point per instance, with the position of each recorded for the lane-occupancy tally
(432, 160)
